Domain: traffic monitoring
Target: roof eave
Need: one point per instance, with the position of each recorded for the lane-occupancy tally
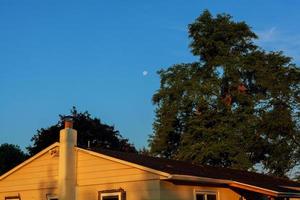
(234, 184)
(288, 194)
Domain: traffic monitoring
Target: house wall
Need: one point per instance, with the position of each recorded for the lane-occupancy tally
(96, 174)
(34, 180)
(39, 177)
(184, 192)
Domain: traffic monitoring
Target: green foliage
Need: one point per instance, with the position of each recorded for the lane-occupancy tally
(237, 107)
(88, 129)
(144, 151)
(10, 156)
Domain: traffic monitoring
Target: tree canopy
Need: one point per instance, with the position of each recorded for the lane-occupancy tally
(237, 106)
(89, 129)
(10, 156)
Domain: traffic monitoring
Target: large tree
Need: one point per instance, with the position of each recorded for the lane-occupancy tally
(10, 156)
(90, 129)
(237, 106)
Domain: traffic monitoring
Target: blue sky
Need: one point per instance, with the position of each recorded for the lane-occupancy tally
(102, 56)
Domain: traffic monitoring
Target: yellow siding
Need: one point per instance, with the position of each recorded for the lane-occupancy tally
(136, 190)
(39, 177)
(40, 194)
(96, 174)
(94, 170)
(35, 179)
(183, 192)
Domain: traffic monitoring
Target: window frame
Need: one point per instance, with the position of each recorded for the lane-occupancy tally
(12, 197)
(51, 196)
(111, 194)
(205, 193)
(106, 193)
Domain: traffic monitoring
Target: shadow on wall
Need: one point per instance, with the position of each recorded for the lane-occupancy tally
(49, 184)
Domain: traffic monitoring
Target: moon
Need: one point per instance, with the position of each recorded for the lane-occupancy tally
(145, 73)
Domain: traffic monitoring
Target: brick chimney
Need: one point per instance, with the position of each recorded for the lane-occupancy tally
(67, 161)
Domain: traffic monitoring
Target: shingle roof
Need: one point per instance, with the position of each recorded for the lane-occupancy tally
(185, 168)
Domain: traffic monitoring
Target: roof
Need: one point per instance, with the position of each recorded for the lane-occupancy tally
(174, 167)
(172, 170)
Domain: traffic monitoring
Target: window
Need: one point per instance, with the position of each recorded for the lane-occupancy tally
(13, 197)
(51, 197)
(199, 195)
(112, 195)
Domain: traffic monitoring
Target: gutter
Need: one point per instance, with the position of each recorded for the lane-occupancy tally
(234, 184)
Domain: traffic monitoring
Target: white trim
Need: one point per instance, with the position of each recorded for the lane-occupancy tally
(12, 198)
(205, 193)
(107, 194)
(56, 144)
(254, 187)
(279, 194)
(51, 196)
(160, 173)
(289, 187)
(228, 182)
(212, 180)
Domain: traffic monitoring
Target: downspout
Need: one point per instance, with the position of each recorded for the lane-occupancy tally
(67, 161)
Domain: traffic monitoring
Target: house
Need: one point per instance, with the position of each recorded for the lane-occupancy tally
(66, 172)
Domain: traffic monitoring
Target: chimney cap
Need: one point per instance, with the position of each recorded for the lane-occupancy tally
(68, 118)
(68, 121)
